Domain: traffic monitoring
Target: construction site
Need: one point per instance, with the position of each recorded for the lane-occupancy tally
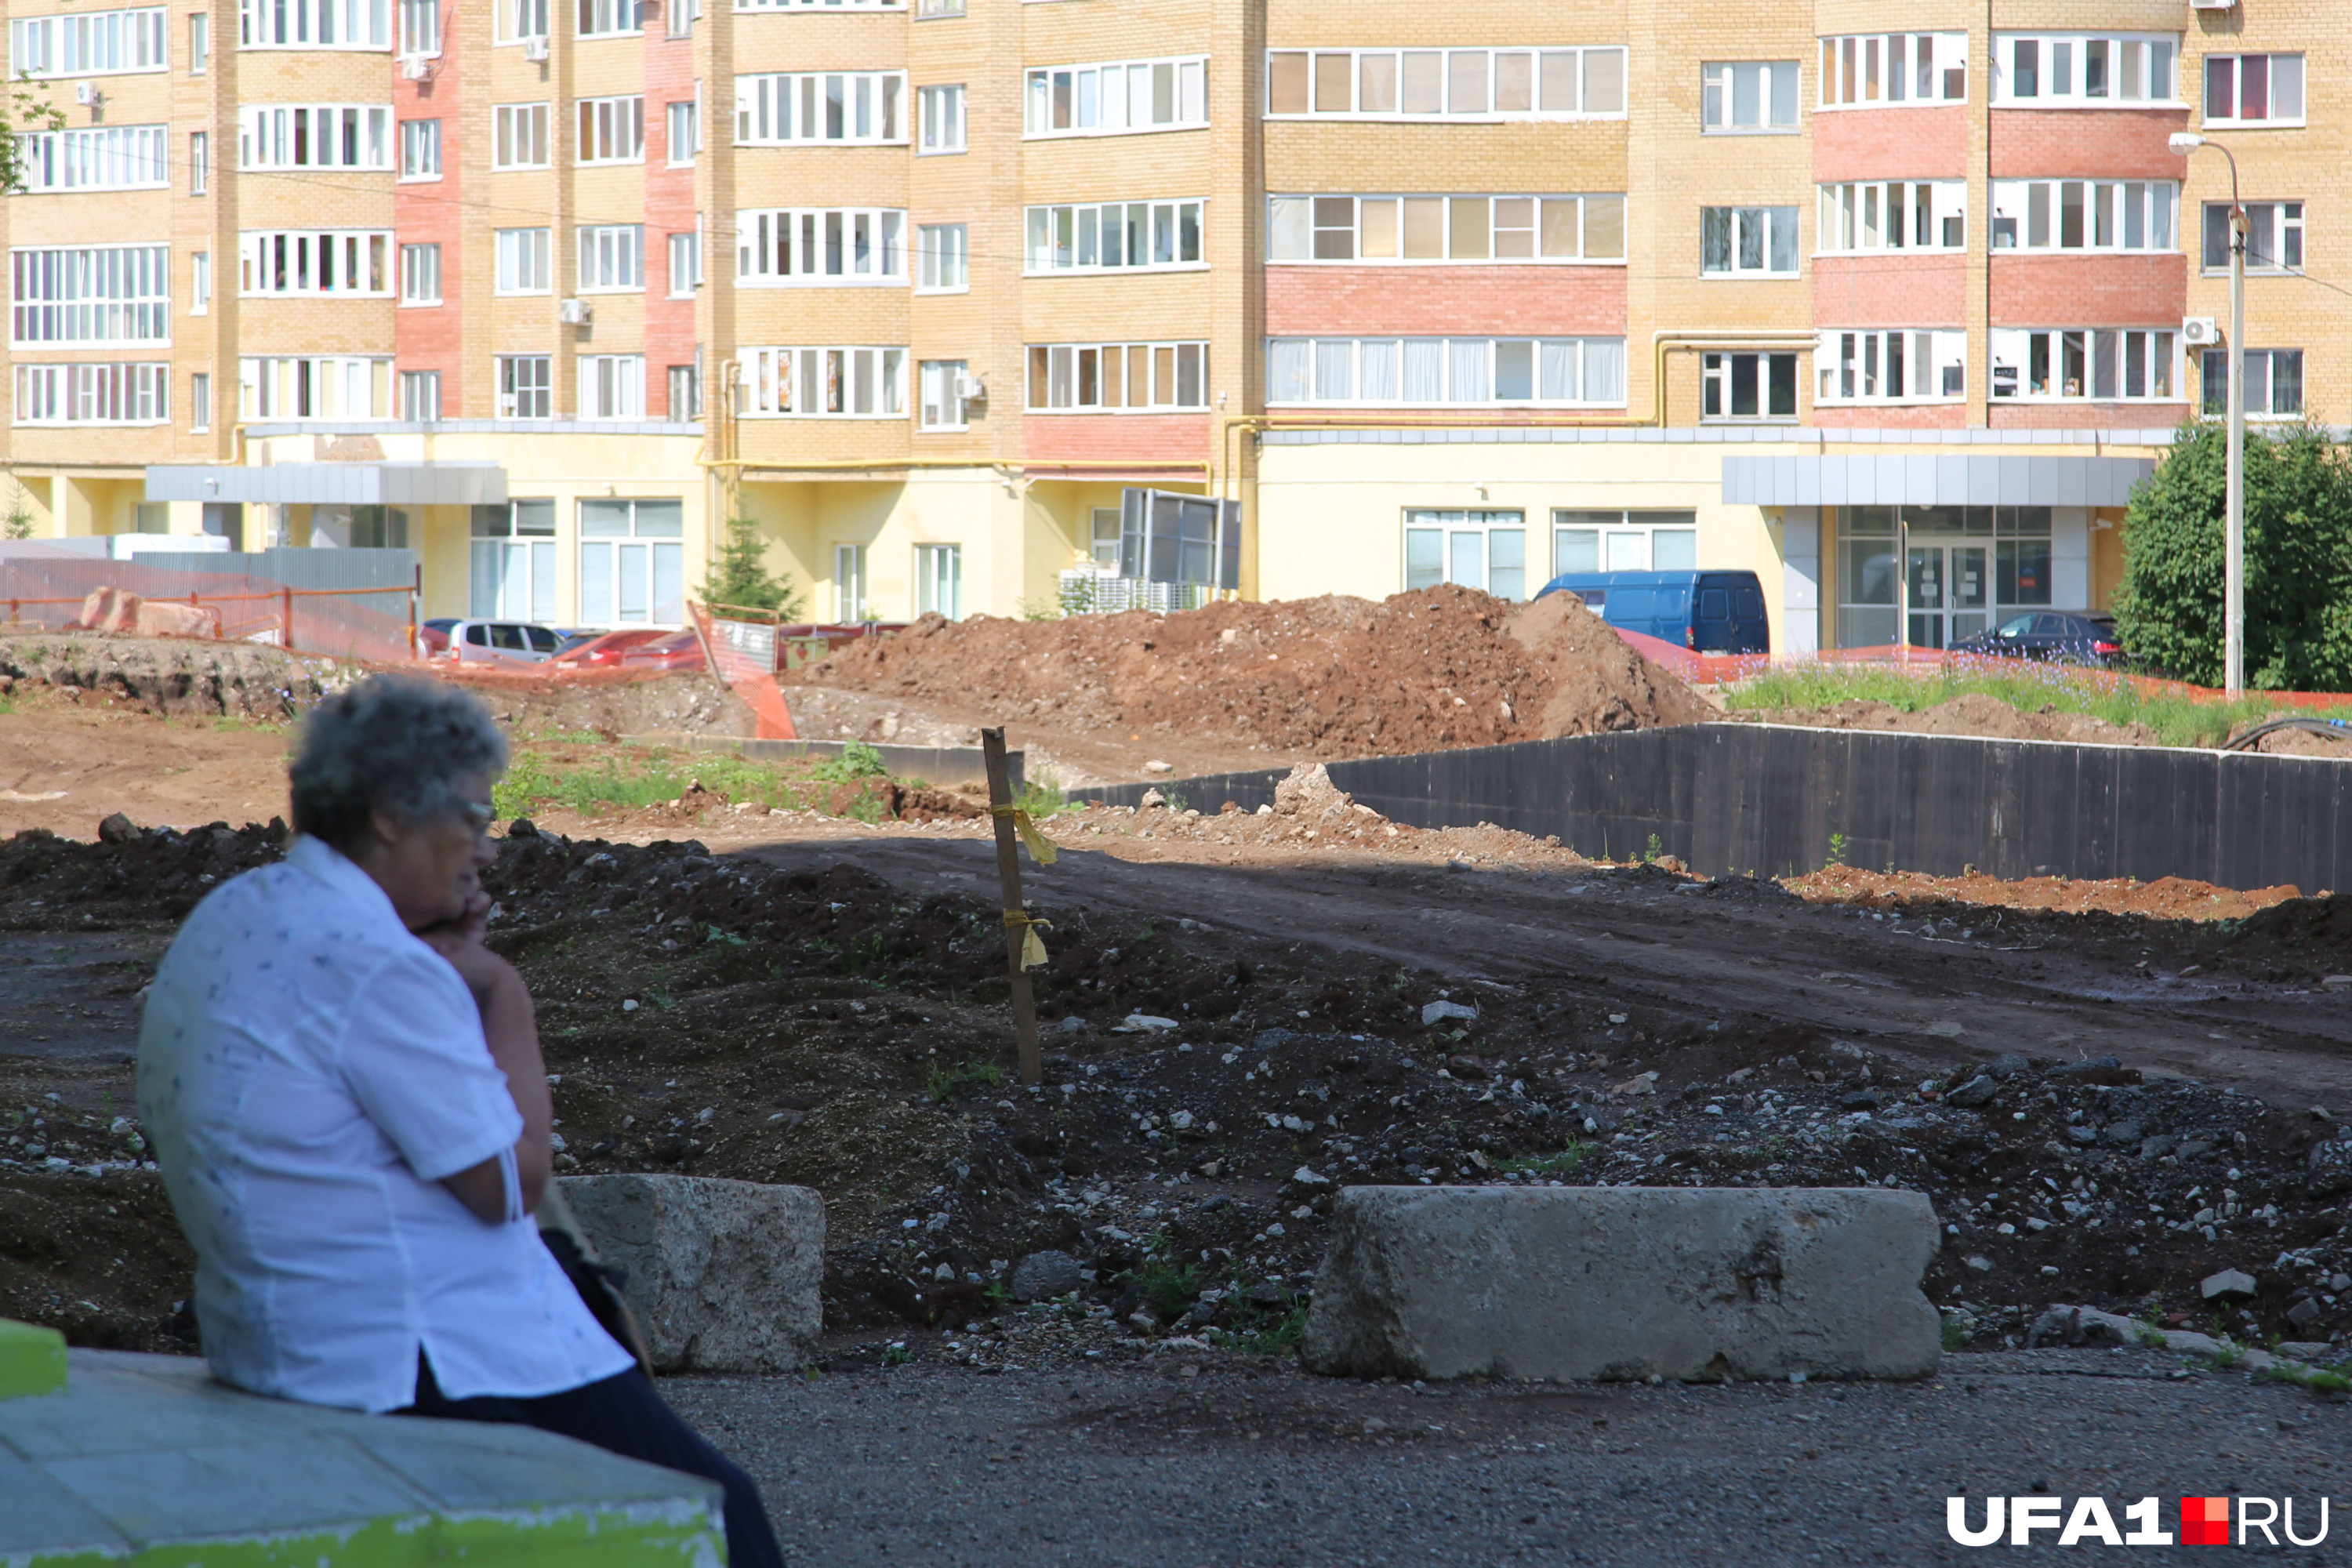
(1263, 987)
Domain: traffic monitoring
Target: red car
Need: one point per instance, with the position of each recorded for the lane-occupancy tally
(635, 648)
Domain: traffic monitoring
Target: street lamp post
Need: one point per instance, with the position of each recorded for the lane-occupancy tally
(2234, 589)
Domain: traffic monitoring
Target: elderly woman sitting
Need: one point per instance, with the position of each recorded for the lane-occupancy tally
(344, 1091)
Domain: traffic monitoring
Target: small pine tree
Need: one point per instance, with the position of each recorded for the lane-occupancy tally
(741, 577)
(17, 522)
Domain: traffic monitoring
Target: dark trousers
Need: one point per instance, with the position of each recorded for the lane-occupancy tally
(622, 1414)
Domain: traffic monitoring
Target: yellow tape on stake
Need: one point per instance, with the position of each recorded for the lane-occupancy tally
(1032, 951)
(1040, 849)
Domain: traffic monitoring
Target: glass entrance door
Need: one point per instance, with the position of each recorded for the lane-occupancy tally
(1947, 590)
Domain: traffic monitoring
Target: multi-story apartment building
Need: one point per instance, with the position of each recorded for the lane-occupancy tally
(1889, 301)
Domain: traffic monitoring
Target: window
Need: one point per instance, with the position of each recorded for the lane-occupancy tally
(822, 246)
(99, 158)
(519, 19)
(611, 130)
(519, 136)
(2076, 71)
(1117, 235)
(1757, 242)
(1486, 84)
(94, 298)
(686, 391)
(1484, 550)
(1747, 386)
(1891, 367)
(828, 106)
(927, 10)
(685, 132)
(939, 579)
(513, 575)
(199, 283)
(420, 274)
(1881, 69)
(683, 15)
(420, 149)
(632, 563)
(940, 112)
(1951, 593)
(315, 23)
(420, 26)
(945, 266)
(848, 584)
(941, 406)
(828, 5)
(324, 136)
(93, 394)
(1737, 96)
(336, 261)
(826, 383)
(2273, 236)
(1134, 378)
(684, 264)
(200, 49)
(1107, 531)
(1893, 214)
(1623, 542)
(599, 18)
(612, 386)
(526, 382)
(2253, 89)
(1117, 99)
(2086, 364)
(199, 401)
(95, 43)
(200, 162)
(524, 257)
(1445, 228)
(2274, 383)
(322, 387)
(420, 396)
(2085, 214)
(1425, 372)
(612, 257)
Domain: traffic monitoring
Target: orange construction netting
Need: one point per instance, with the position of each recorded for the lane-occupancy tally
(373, 626)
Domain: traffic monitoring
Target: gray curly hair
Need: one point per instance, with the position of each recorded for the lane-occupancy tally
(402, 745)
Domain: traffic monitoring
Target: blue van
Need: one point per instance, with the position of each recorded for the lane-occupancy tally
(1706, 612)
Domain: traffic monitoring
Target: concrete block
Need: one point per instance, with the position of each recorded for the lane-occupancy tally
(723, 1276)
(1625, 1282)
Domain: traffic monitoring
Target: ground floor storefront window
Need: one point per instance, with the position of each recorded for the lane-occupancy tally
(1962, 570)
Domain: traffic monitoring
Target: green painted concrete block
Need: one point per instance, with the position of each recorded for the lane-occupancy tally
(32, 1361)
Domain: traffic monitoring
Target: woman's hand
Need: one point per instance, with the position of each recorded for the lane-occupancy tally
(458, 939)
(512, 1032)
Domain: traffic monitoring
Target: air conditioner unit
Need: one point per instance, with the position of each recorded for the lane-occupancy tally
(2213, 4)
(2200, 331)
(534, 48)
(575, 312)
(972, 389)
(86, 94)
(415, 67)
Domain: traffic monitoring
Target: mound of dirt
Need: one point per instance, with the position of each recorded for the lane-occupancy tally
(169, 675)
(1344, 677)
(687, 702)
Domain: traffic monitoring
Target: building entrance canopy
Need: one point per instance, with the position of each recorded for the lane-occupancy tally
(1958, 479)
(332, 484)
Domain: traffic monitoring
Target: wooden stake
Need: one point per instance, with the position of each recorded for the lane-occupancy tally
(1008, 875)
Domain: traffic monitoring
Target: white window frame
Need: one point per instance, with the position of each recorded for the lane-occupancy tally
(943, 258)
(2142, 70)
(939, 406)
(200, 162)
(279, 136)
(795, 109)
(2023, 210)
(612, 260)
(611, 387)
(1061, 371)
(2277, 253)
(1742, 220)
(1376, 230)
(610, 130)
(316, 264)
(96, 158)
(356, 24)
(314, 387)
(420, 274)
(939, 579)
(89, 297)
(800, 381)
(420, 150)
(199, 401)
(682, 129)
(685, 263)
(519, 20)
(1886, 366)
(525, 261)
(1907, 69)
(420, 28)
(1390, 372)
(1874, 216)
(1621, 540)
(420, 396)
(1075, 237)
(821, 248)
(2012, 349)
(522, 127)
(2278, 72)
(1473, 538)
(200, 42)
(1719, 387)
(2262, 383)
(820, 4)
(133, 393)
(89, 43)
(1724, 85)
(515, 381)
(199, 283)
(1061, 101)
(686, 391)
(1553, 76)
(658, 553)
(608, 19)
(849, 598)
(939, 120)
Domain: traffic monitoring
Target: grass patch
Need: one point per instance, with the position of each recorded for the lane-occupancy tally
(535, 782)
(2302, 1376)
(1559, 1165)
(2066, 689)
(1042, 796)
(1169, 1287)
(941, 1082)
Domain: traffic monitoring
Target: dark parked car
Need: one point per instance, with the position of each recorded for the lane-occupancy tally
(2049, 634)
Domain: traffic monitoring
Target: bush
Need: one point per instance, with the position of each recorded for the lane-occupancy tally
(741, 578)
(2298, 562)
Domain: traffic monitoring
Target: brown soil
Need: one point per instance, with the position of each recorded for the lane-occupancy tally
(1971, 713)
(176, 675)
(2167, 898)
(1338, 676)
(692, 703)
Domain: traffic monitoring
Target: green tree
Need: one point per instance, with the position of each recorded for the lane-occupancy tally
(32, 113)
(2298, 559)
(17, 522)
(741, 576)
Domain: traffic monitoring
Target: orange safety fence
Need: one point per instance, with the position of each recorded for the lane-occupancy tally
(750, 671)
(373, 626)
